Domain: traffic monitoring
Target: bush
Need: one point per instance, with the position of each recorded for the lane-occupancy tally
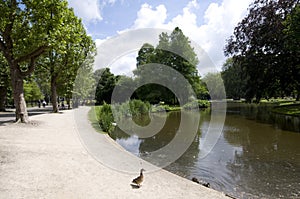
(106, 118)
(196, 104)
(167, 108)
(138, 107)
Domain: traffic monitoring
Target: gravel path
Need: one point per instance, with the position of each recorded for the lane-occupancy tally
(47, 159)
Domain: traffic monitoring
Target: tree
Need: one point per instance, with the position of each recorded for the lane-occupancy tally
(4, 82)
(32, 91)
(25, 28)
(64, 59)
(292, 32)
(216, 89)
(234, 79)
(105, 86)
(175, 51)
(145, 55)
(125, 85)
(258, 45)
(84, 85)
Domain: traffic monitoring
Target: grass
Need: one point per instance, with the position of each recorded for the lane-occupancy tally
(167, 108)
(104, 123)
(92, 115)
(288, 109)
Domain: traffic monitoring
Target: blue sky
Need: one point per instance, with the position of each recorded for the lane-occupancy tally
(207, 22)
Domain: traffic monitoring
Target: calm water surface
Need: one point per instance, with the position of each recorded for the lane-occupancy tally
(250, 159)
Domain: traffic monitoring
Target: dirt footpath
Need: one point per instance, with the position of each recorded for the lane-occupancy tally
(46, 159)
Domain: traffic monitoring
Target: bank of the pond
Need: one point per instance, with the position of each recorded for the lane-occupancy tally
(288, 109)
(46, 159)
(282, 114)
(106, 115)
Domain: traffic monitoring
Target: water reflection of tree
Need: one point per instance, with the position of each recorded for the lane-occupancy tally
(269, 163)
(186, 164)
(164, 136)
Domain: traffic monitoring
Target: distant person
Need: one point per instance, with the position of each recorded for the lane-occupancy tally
(39, 103)
(44, 103)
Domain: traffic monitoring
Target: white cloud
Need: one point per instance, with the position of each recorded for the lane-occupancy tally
(149, 18)
(88, 10)
(127, 62)
(219, 22)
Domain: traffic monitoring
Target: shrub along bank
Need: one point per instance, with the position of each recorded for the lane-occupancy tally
(105, 116)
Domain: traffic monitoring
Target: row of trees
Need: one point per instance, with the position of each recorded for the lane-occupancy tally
(42, 41)
(265, 52)
(173, 51)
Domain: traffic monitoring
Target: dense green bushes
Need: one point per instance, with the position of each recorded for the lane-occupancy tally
(105, 118)
(196, 104)
(136, 109)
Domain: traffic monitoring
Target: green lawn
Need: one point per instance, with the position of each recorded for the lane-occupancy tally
(92, 115)
(288, 109)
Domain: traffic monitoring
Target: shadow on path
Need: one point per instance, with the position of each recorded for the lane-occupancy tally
(8, 116)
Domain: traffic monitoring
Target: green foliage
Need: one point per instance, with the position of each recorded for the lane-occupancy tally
(42, 36)
(93, 118)
(290, 109)
(4, 82)
(175, 51)
(68, 58)
(125, 85)
(260, 46)
(84, 85)
(105, 85)
(292, 33)
(167, 108)
(138, 107)
(106, 118)
(234, 79)
(215, 85)
(132, 108)
(32, 91)
(196, 104)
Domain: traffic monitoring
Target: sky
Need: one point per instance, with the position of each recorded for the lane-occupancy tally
(208, 23)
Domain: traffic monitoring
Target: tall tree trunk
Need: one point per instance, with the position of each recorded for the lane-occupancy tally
(3, 93)
(69, 103)
(18, 94)
(54, 94)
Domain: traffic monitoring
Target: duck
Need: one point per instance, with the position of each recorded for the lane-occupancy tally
(138, 180)
(195, 180)
(206, 184)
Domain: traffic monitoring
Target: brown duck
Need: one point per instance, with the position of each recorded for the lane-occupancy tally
(138, 181)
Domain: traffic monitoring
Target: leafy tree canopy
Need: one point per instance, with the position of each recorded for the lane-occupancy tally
(105, 85)
(259, 45)
(175, 51)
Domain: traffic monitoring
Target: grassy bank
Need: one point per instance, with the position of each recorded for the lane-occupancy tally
(288, 109)
(102, 119)
(94, 119)
(283, 106)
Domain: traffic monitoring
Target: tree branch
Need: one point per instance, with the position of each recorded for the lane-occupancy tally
(2, 46)
(34, 54)
(30, 68)
(9, 26)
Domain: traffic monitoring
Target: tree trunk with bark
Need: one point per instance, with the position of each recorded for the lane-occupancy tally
(18, 95)
(54, 94)
(3, 93)
(10, 51)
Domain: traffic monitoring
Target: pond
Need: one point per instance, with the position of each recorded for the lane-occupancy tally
(250, 159)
